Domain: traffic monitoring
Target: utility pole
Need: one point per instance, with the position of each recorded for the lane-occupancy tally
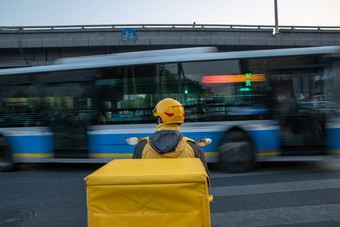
(276, 18)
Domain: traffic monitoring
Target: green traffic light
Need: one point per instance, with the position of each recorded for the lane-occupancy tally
(244, 89)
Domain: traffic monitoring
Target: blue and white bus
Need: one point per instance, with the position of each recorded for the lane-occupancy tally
(255, 105)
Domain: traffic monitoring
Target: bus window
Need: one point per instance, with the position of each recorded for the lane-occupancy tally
(226, 90)
(302, 101)
(21, 106)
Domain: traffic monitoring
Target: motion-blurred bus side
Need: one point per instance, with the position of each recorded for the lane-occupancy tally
(255, 105)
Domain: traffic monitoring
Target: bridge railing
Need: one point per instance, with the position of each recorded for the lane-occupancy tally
(166, 26)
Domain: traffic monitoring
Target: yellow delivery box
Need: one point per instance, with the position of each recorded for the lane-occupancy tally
(149, 192)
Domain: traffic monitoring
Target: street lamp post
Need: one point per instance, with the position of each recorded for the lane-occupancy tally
(276, 18)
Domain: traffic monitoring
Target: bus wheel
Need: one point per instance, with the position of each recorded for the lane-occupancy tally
(236, 152)
(6, 161)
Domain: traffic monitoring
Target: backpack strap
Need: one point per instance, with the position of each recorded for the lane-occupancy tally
(188, 139)
(199, 153)
(137, 154)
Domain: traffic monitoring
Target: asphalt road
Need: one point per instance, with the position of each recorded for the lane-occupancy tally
(277, 194)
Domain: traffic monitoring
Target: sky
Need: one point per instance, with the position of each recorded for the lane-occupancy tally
(238, 12)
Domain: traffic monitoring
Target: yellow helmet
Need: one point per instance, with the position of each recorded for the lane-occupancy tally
(170, 111)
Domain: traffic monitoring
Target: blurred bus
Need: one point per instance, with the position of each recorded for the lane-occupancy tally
(255, 105)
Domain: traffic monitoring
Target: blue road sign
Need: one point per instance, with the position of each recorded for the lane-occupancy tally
(128, 34)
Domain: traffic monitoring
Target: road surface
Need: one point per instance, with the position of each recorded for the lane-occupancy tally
(277, 194)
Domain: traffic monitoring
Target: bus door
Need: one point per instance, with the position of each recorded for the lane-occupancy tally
(71, 116)
(300, 105)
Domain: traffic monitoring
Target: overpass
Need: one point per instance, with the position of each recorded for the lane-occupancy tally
(41, 45)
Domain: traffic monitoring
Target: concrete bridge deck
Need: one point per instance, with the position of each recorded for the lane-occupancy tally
(40, 45)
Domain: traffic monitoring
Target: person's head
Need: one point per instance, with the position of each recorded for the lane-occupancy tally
(169, 111)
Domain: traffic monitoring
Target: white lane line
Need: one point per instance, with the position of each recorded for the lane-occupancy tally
(328, 165)
(274, 187)
(277, 216)
(227, 175)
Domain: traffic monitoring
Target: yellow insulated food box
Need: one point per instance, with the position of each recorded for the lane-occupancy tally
(149, 192)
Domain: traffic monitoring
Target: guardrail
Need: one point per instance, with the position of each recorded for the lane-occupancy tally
(166, 26)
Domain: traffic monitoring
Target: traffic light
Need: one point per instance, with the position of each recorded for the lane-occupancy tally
(245, 89)
(248, 85)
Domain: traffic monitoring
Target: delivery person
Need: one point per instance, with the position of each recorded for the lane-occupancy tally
(167, 141)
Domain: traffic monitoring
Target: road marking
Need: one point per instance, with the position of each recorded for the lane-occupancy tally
(333, 164)
(323, 214)
(278, 216)
(274, 187)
